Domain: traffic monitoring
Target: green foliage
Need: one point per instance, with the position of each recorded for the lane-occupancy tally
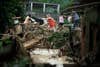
(20, 61)
(51, 10)
(59, 39)
(23, 61)
(9, 9)
(5, 41)
(63, 3)
(8, 41)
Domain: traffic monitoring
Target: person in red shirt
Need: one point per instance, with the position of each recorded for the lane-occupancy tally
(51, 22)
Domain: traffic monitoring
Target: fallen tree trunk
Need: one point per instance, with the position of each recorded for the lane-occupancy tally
(30, 43)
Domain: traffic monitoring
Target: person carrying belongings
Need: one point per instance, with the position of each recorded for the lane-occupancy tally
(27, 20)
(27, 23)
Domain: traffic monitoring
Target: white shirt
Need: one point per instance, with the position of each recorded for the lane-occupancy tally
(16, 21)
(69, 18)
(61, 19)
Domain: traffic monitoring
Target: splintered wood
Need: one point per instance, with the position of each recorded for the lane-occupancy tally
(30, 43)
(36, 44)
(33, 42)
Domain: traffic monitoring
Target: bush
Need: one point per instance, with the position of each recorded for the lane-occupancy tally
(59, 39)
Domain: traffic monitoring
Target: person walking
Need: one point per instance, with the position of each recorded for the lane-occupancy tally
(61, 20)
(51, 23)
(75, 18)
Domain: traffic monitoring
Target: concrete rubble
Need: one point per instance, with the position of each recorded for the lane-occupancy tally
(50, 56)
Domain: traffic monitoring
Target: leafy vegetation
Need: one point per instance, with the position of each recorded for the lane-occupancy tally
(63, 3)
(59, 39)
(9, 9)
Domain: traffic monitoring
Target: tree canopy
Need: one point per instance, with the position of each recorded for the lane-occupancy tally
(63, 3)
(9, 9)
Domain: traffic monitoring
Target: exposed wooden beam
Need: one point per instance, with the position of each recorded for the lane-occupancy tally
(81, 6)
(95, 39)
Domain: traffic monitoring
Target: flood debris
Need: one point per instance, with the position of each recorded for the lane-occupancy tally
(45, 46)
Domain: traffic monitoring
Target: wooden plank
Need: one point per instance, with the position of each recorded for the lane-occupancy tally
(95, 39)
(82, 50)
